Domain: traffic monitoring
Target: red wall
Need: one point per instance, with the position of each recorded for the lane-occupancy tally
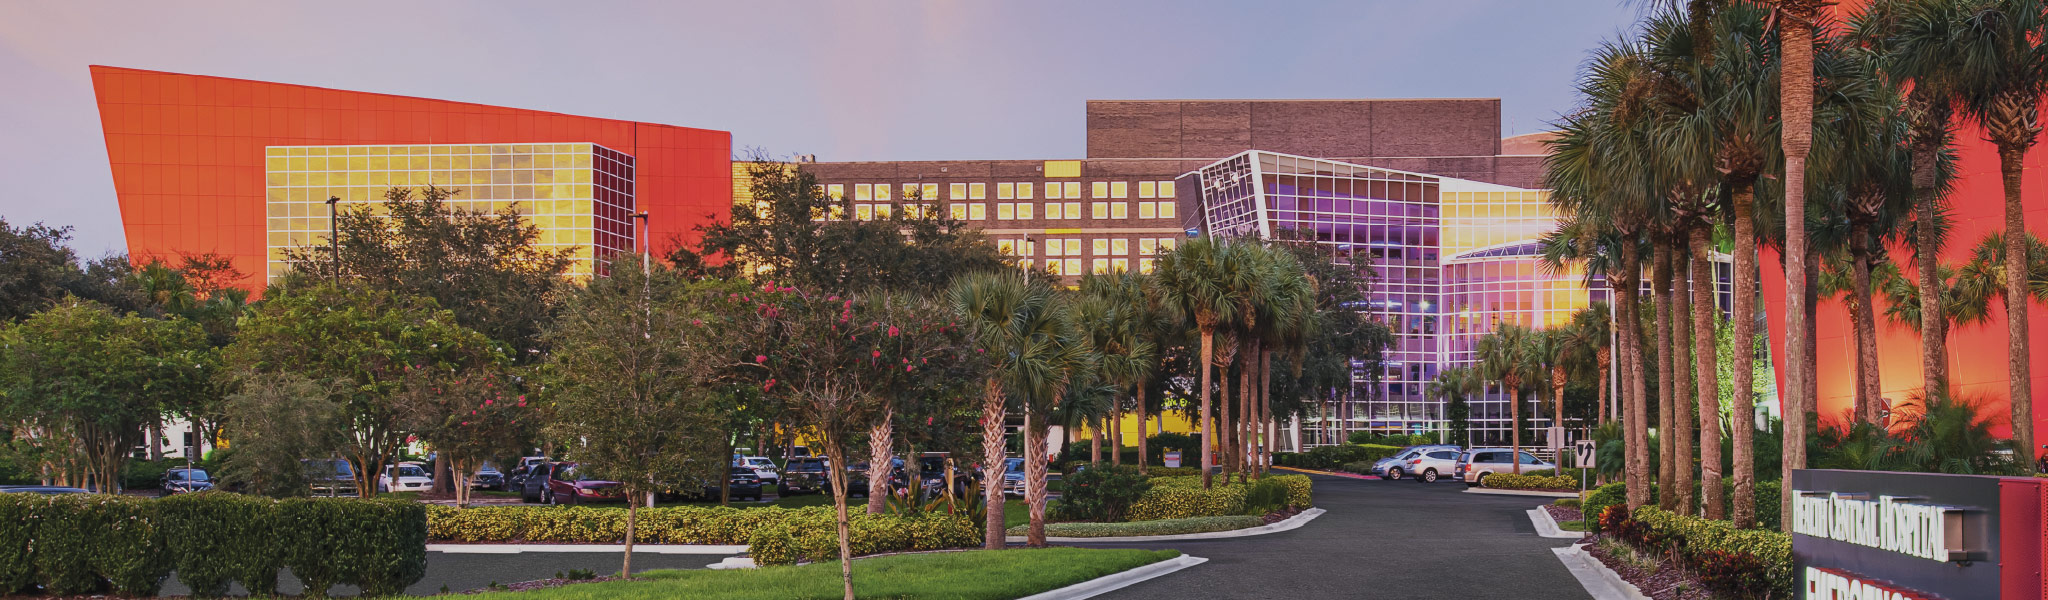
(187, 153)
(1977, 354)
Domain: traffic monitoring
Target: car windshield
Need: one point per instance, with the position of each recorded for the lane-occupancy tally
(807, 466)
(569, 473)
(188, 475)
(743, 471)
(761, 463)
(411, 471)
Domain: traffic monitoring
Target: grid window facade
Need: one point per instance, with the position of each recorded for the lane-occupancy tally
(579, 195)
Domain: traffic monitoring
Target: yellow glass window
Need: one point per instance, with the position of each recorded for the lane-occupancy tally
(1148, 189)
(959, 212)
(1099, 266)
(1006, 191)
(1073, 210)
(1006, 246)
(1006, 211)
(1119, 210)
(1166, 243)
(1119, 246)
(930, 191)
(1166, 189)
(1146, 246)
(1024, 211)
(863, 192)
(1120, 264)
(1073, 266)
(1098, 210)
(1053, 248)
(1100, 246)
(1098, 189)
(977, 191)
(977, 212)
(1073, 189)
(1120, 189)
(1073, 247)
(1166, 210)
(882, 192)
(1148, 210)
(1145, 265)
(1053, 267)
(957, 191)
(1024, 191)
(834, 191)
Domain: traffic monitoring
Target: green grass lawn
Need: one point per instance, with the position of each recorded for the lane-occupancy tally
(978, 574)
(1573, 526)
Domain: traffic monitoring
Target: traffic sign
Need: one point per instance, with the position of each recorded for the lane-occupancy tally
(1585, 451)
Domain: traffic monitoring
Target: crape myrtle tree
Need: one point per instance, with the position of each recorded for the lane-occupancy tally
(84, 382)
(834, 360)
(630, 384)
(359, 344)
(467, 416)
(935, 410)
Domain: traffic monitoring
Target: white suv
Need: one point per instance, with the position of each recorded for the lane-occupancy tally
(1476, 464)
(763, 468)
(1425, 464)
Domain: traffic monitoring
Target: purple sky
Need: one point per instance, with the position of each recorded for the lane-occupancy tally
(842, 80)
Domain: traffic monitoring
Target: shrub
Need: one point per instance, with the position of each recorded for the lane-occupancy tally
(1172, 471)
(1765, 554)
(1100, 493)
(812, 534)
(145, 474)
(1137, 528)
(378, 545)
(1182, 497)
(1157, 446)
(1511, 481)
(1265, 496)
(16, 570)
(83, 542)
(1332, 457)
(215, 538)
(1613, 494)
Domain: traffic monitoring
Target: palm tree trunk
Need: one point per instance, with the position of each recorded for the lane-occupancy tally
(1743, 417)
(1557, 382)
(1116, 434)
(1265, 391)
(1513, 386)
(1635, 411)
(1704, 309)
(1682, 401)
(1246, 440)
(1868, 386)
(1795, 106)
(1095, 441)
(1143, 457)
(1667, 452)
(881, 439)
(1930, 133)
(992, 464)
(1208, 347)
(2019, 373)
(1604, 357)
(1034, 477)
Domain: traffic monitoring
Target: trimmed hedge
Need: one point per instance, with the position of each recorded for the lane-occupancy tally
(79, 544)
(1511, 481)
(1172, 471)
(1739, 562)
(1333, 457)
(771, 534)
(1183, 497)
(1159, 527)
(1767, 511)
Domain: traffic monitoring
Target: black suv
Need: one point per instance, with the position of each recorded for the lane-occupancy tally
(808, 474)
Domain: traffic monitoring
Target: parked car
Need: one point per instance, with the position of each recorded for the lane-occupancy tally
(487, 478)
(516, 480)
(405, 477)
(560, 483)
(764, 469)
(810, 474)
(330, 476)
(180, 481)
(1476, 464)
(743, 482)
(1013, 477)
(47, 490)
(931, 473)
(1398, 464)
(1430, 464)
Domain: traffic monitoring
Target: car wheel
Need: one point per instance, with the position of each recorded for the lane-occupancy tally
(547, 496)
(1394, 474)
(1481, 480)
(1428, 476)
(781, 490)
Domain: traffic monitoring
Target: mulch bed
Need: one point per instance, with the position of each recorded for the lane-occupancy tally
(539, 584)
(1564, 513)
(1281, 515)
(1668, 582)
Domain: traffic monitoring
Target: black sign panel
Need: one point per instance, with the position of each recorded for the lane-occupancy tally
(1881, 527)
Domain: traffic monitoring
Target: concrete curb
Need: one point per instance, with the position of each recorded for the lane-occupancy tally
(1546, 525)
(1600, 582)
(637, 548)
(1290, 523)
(1329, 473)
(732, 562)
(1535, 493)
(1116, 581)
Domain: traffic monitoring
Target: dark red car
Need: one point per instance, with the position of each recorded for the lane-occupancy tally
(560, 483)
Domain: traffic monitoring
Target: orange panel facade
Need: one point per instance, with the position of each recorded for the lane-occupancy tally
(1977, 353)
(187, 153)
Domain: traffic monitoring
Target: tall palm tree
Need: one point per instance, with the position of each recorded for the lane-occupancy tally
(1454, 385)
(2008, 74)
(1504, 357)
(1797, 21)
(1014, 319)
(1112, 311)
(1549, 351)
(1195, 279)
(1921, 45)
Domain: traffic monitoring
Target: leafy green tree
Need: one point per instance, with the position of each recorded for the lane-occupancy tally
(90, 381)
(487, 268)
(808, 240)
(35, 269)
(359, 344)
(627, 382)
(1197, 279)
(278, 420)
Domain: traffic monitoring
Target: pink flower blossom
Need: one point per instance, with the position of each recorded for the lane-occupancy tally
(465, 423)
(906, 368)
(487, 402)
(768, 386)
(878, 354)
(760, 358)
(892, 331)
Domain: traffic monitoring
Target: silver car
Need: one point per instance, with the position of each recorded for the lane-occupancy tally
(1476, 464)
(1403, 463)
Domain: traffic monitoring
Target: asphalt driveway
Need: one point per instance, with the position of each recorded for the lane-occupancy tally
(1380, 539)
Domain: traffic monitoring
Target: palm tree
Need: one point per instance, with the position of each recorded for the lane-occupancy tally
(1797, 20)
(1112, 313)
(1920, 44)
(2007, 75)
(1454, 385)
(1196, 280)
(1293, 321)
(1503, 357)
(1589, 346)
(1016, 322)
(1548, 352)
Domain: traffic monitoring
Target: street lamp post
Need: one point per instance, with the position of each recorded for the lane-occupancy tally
(646, 245)
(333, 236)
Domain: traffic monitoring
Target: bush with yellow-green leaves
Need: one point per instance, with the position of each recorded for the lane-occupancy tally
(1511, 481)
(1183, 497)
(773, 535)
